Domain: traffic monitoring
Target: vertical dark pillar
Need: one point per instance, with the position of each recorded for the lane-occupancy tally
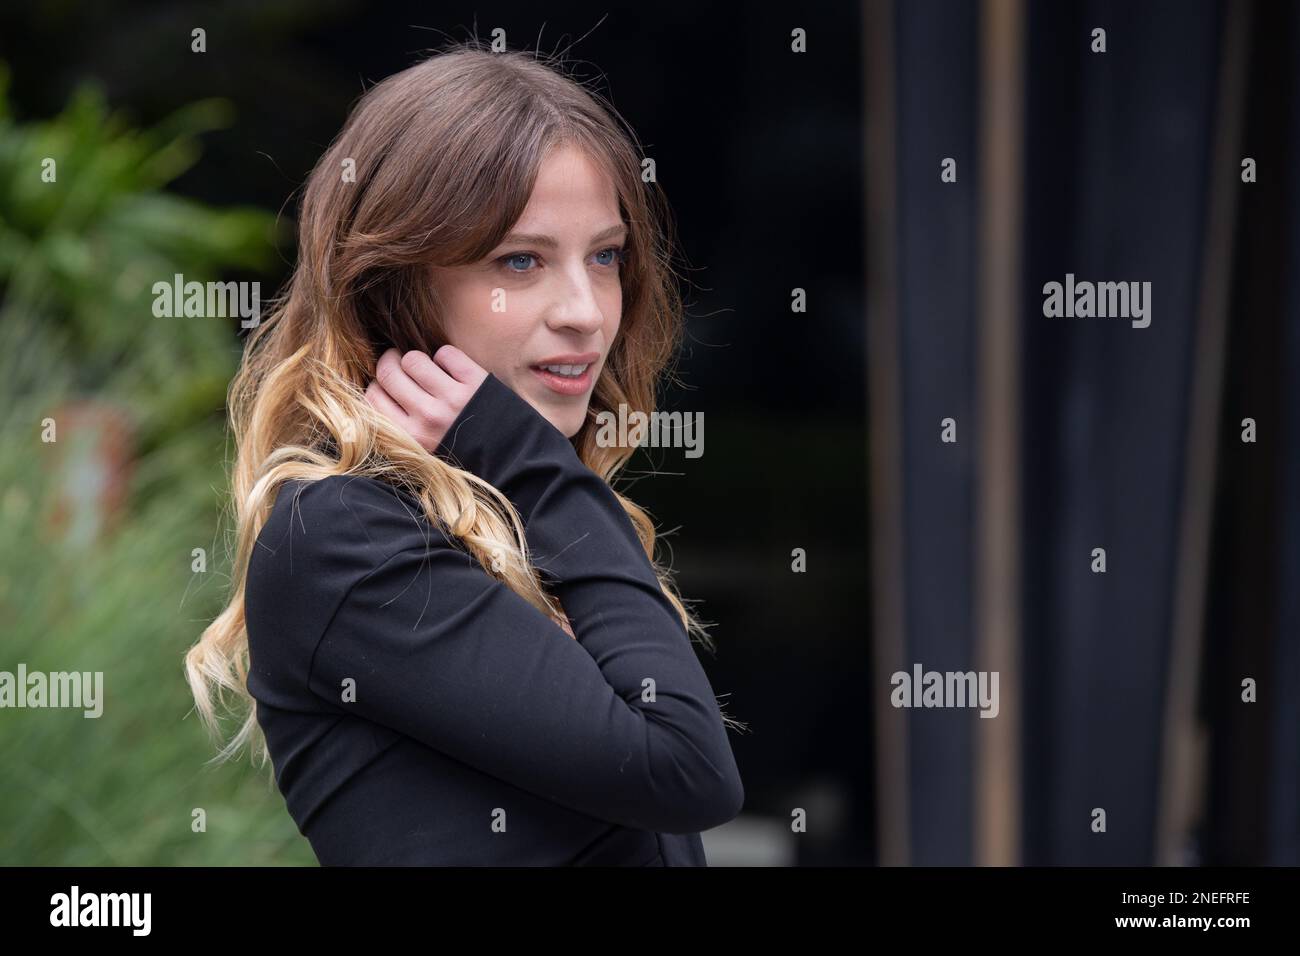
(1117, 155)
(937, 79)
(1284, 693)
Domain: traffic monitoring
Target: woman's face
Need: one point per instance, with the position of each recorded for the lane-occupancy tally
(549, 294)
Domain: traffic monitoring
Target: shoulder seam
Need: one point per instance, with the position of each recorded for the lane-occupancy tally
(376, 485)
(440, 541)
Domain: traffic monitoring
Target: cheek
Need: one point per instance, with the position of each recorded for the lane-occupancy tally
(487, 336)
(612, 308)
(460, 318)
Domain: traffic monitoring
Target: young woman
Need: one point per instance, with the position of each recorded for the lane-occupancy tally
(450, 630)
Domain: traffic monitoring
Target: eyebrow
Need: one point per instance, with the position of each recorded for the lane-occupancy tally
(550, 242)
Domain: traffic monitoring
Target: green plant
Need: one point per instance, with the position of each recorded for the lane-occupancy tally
(78, 257)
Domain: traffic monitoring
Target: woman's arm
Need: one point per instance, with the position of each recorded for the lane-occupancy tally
(620, 724)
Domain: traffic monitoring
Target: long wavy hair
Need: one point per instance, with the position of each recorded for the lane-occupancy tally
(443, 158)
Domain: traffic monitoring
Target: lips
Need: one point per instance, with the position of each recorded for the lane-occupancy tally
(568, 358)
(569, 374)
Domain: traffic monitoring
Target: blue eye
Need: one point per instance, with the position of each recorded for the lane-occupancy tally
(619, 254)
(506, 260)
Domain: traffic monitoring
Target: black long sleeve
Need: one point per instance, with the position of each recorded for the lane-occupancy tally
(619, 725)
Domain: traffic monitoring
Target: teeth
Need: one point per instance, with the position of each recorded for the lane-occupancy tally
(571, 370)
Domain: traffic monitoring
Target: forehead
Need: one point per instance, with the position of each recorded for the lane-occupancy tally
(570, 182)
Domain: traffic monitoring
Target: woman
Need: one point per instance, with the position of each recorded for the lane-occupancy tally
(457, 646)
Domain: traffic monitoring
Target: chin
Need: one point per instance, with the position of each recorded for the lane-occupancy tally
(569, 428)
(567, 421)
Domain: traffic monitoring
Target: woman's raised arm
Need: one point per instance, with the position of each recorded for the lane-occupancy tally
(620, 724)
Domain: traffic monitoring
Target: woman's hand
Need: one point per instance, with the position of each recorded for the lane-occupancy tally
(424, 395)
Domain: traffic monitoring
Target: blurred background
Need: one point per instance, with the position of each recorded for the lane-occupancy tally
(822, 170)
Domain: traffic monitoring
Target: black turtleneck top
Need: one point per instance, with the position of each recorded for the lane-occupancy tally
(418, 711)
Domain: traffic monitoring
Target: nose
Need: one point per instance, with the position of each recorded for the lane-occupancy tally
(575, 306)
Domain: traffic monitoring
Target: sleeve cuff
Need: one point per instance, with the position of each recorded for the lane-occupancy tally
(477, 440)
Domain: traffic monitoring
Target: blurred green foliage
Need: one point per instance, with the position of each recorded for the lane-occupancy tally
(78, 259)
